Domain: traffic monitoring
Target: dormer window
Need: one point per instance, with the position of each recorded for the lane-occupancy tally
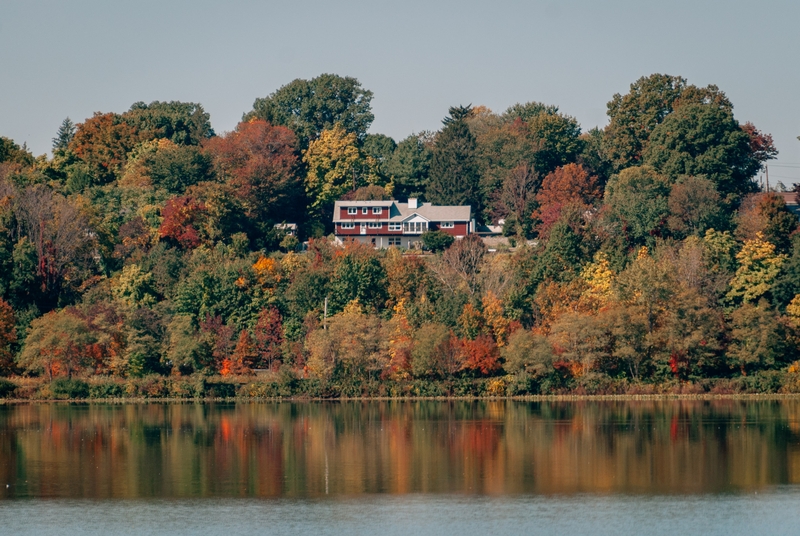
(377, 210)
(447, 225)
(352, 211)
(365, 210)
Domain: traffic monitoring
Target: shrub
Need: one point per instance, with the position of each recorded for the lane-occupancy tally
(69, 388)
(436, 240)
(7, 387)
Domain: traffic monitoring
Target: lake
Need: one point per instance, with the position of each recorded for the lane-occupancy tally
(402, 467)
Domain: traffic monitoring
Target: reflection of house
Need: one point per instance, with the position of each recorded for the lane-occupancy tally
(391, 223)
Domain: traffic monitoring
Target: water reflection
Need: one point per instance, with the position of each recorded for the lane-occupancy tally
(352, 448)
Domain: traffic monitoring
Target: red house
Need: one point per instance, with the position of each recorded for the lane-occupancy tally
(391, 223)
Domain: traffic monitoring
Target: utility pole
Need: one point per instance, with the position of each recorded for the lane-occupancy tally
(766, 170)
(325, 315)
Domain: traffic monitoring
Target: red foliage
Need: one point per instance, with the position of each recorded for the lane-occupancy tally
(181, 215)
(761, 144)
(480, 354)
(260, 161)
(570, 184)
(268, 333)
(221, 340)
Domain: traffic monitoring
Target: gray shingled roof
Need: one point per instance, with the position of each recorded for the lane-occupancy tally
(400, 211)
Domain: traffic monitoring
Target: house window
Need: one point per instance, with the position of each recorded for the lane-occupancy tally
(396, 227)
(394, 241)
(447, 225)
(375, 225)
(352, 211)
(365, 210)
(377, 210)
(350, 225)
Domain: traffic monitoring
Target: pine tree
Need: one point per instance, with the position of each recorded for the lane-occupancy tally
(454, 170)
(64, 135)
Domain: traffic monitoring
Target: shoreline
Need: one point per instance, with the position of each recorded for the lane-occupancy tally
(702, 397)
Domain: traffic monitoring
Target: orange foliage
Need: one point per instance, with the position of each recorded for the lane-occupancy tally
(480, 355)
(569, 184)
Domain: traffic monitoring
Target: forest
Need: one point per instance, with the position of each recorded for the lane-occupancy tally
(145, 257)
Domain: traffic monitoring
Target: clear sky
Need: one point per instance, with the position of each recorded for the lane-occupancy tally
(60, 58)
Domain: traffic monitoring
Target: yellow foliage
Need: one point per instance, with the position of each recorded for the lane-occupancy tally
(599, 280)
(291, 262)
(332, 161)
(268, 271)
(493, 315)
(793, 311)
(759, 266)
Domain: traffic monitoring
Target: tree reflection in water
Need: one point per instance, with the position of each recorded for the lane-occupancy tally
(351, 448)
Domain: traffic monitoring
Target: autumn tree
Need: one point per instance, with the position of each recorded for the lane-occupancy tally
(103, 142)
(8, 337)
(335, 166)
(569, 184)
(57, 344)
(268, 337)
(695, 206)
(759, 268)
(261, 164)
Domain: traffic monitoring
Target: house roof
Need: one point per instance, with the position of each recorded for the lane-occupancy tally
(401, 211)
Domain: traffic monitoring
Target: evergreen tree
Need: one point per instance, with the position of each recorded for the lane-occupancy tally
(454, 170)
(64, 135)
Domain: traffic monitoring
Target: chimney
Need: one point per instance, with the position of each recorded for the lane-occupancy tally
(412, 203)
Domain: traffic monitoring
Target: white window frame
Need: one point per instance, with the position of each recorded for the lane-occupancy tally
(447, 225)
(365, 210)
(352, 211)
(375, 225)
(348, 225)
(395, 226)
(377, 210)
(395, 241)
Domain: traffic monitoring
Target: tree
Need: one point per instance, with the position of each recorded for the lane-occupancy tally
(183, 123)
(57, 344)
(358, 276)
(8, 337)
(261, 163)
(309, 107)
(181, 218)
(759, 267)
(409, 166)
(694, 206)
(528, 353)
(12, 153)
(569, 184)
(268, 336)
(103, 141)
(766, 214)
(758, 340)
(64, 135)
(335, 166)
(634, 116)
(454, 172)
(637, 198)
(516, 199)
(703, 139)
(528, 111)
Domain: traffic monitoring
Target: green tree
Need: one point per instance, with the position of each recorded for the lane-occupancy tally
(703, 139)
(638, 200)
(634, 116)
(310, 106)
(64, 135)
(409, 167)
(758, 340)
(436, 240)
(454, 172)
(183, 123)
(694, 206)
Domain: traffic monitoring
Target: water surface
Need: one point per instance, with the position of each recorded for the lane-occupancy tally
(727, 467)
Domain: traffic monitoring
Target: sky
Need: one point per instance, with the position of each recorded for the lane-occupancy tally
(70, 59)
